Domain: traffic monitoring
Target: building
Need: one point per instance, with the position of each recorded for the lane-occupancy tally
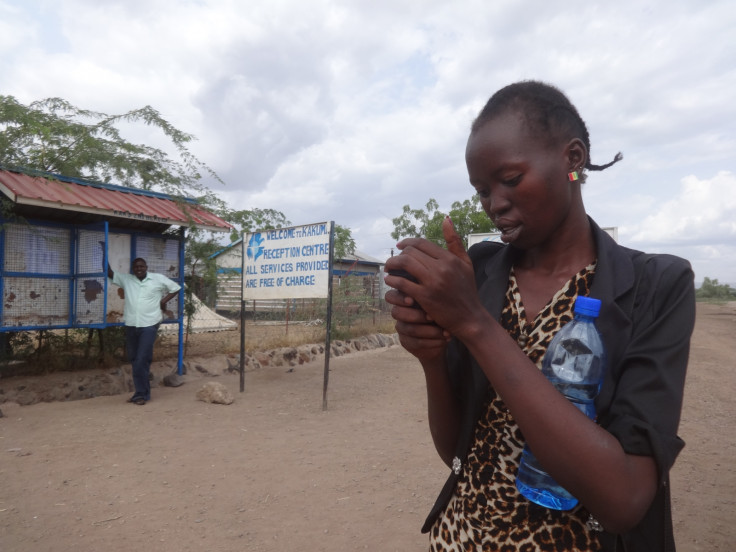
(56, 234)
(496, 236)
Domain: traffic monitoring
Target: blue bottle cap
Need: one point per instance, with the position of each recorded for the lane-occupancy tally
(587, 306)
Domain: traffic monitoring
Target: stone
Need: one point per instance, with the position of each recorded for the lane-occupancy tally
(252, 362)
(289, 354)
(263, 357)
(60, 387)
(305, 355)
(213, 392)
(173, 380)
(233, 364)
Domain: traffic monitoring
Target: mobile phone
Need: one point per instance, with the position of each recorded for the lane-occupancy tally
(408, 276)
(403, 274)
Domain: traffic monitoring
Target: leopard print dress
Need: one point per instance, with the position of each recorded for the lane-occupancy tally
(487, 512)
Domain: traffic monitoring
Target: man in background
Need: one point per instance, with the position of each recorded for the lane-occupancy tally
(146, 295)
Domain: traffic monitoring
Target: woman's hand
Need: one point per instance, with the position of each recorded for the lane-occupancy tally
(417, 334)
(445, 283)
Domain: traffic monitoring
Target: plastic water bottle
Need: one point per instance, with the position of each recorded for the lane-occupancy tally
(574, 363)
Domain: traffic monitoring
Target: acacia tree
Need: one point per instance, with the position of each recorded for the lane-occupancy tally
(468, 217)
(54, 136)
(248, 220)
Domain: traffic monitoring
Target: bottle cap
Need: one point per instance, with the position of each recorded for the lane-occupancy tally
(587, 306)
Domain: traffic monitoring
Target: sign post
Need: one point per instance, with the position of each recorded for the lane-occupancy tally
(288, 263)
(328, 322)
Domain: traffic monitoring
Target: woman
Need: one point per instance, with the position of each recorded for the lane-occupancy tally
(486, 319)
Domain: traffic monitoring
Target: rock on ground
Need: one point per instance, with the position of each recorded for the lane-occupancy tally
(214, 392)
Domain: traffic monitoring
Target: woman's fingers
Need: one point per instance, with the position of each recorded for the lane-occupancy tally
(454, 241)
(399, 299)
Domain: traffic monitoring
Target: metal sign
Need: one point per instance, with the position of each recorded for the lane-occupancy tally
(287, 263)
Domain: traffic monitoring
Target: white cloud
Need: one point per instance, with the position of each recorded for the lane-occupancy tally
(698, 223)
(701, 212)
(348, 111)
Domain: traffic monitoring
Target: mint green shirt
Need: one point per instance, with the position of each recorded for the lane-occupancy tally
(143, 297)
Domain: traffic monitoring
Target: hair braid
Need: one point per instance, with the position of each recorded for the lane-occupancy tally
(616, 158)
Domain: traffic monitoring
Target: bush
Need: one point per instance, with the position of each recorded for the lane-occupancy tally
(711, 290)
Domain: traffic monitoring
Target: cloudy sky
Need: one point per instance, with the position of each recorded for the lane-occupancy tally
(348, 110)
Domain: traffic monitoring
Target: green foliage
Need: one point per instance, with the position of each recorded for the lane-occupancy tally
(467, 216)
(15, 345)
(344, 242)
(419, 223)
(54, 136)
(712, 290)
(202, 278)
(111, 341)
(249, 220)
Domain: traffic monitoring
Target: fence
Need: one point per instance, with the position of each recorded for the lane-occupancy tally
(354, 298)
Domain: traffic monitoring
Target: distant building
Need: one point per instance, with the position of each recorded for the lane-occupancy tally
(496, 236)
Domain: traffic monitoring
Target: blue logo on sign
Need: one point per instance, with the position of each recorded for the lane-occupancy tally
(255, 247)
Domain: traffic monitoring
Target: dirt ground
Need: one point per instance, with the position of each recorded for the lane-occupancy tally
(274, 471)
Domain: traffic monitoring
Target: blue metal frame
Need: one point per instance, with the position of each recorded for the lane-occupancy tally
(72, 276)
(16, 274)
(76, 276)
(180, 303)
(2, 265)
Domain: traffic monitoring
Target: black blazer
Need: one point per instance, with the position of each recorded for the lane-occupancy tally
(646, 319)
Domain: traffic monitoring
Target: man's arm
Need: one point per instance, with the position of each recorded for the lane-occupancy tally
(168, 298)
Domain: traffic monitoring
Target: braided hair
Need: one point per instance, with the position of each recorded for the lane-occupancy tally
(547, 111)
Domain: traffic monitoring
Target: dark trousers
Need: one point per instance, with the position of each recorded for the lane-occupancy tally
(139, 346)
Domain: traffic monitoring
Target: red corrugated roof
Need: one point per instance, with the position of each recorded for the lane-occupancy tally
(106, 200)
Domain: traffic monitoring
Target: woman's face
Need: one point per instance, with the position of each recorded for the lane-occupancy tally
(521, 180)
